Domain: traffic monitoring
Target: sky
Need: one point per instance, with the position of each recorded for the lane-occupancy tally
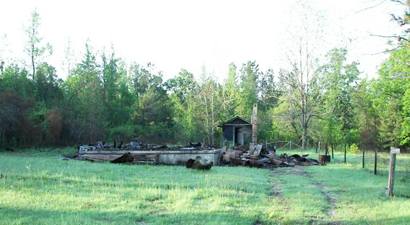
(196, 34)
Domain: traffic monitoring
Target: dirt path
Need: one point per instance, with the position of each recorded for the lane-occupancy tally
(329, 197)
(277, 191)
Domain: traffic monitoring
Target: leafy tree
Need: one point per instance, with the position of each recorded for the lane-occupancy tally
(153, 112)
(339, 84)
(285, 121)
(391, 98)
(183, 91)
(366, 114)
(249, 75)
(105, 98)
(268, 93)
(35, 47)
(16, 79)
(301, 97)
(230, 94)
(54, 119)
(268, 90)
(117, 97)
(209, 99)
(85, 102)
(13, 122)
(48, 85)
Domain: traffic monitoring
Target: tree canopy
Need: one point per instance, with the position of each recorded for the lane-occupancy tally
(104, 98)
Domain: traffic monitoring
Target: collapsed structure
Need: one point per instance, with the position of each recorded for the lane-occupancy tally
(237, 134)
(193, 156)
(136, 152)
(262, 157)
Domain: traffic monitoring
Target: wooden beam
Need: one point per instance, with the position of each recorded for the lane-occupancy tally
(254, 123)
(233, 136)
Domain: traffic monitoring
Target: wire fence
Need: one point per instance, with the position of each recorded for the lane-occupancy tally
(282, 145)
(375, 163)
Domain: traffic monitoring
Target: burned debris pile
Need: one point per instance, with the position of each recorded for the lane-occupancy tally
(135, 152)
(260, 157)
(137, 145)
(194, 155)
(199, 164)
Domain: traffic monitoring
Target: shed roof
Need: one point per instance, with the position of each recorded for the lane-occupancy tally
(236, 121)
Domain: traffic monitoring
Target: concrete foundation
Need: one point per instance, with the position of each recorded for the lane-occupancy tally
(162, 157)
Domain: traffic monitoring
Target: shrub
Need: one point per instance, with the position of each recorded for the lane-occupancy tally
(354, 149)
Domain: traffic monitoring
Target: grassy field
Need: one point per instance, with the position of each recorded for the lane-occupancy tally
(37, 187)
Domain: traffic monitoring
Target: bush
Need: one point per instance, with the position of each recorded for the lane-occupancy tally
(354, 149)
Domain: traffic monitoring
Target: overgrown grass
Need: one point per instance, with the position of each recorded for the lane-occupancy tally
(360, 195)
(37, 187)
(354, 164)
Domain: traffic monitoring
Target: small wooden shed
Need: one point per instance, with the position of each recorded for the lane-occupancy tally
(236, 131)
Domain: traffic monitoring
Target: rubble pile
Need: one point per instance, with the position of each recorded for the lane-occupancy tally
(199, 164)
(263, 158)
(136, 152)
(136, 145)
(193, 155)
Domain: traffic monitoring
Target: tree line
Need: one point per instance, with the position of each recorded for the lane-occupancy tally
(103, 98)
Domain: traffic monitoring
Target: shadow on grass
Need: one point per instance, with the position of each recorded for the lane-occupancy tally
(49, 216)
(89, 216)
(55, 217)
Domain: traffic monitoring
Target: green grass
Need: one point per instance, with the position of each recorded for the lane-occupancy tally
(354, 164)
(360, 195)
(36, 187)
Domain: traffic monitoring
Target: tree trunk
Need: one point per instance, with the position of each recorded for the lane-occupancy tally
(33, 64)
(207, 119)
(345, 152)
(304, 137)
(212, 118)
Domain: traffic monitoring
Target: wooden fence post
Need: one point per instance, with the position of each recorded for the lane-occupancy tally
(375, 162)
(363, 159)
(392, 167)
